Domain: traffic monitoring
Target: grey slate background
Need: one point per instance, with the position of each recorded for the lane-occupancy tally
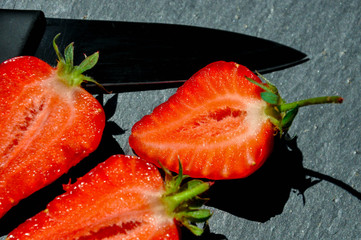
(326, 164)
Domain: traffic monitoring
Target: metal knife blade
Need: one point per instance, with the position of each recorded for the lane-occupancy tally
(141, 56)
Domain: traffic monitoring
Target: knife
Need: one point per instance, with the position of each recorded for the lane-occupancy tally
(138, 56)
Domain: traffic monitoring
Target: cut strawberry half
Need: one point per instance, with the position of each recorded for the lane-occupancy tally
(221, 123)
(122, 198)
(48, 123)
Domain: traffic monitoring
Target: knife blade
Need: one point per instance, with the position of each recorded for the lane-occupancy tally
(142, 56)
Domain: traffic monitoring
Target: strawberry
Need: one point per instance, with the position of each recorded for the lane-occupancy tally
(221, 123)
(123, 197)
(48, 122)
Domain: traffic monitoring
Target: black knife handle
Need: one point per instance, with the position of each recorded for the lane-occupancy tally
(20, 32)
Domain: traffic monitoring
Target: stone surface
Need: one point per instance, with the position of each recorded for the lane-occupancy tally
(310, 191)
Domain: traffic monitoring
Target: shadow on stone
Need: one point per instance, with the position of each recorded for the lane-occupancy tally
(264, 194)
(207, 235)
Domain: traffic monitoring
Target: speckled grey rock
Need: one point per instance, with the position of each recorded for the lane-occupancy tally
(311, 190)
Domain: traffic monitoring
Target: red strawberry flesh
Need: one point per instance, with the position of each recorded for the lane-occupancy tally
(119, 199)
(46, 127)
(215, 123)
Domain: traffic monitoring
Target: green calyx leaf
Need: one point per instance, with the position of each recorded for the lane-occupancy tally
(88, 63)
(289, 117)
(270, 97)
(70, 74)
(280, 113)
(182, 201)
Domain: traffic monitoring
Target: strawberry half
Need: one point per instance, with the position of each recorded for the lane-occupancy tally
(122, 198)
(221, 123)
(48, 123)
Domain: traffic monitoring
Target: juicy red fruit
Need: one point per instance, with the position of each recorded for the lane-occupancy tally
(46, 127)
(215, 124)
(126, 190)
(220, 124)
(122, 198)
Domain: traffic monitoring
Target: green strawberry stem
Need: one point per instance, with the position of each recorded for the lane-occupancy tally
(183, 202)
(173, 201)
(280, 113)
(311, 101)
(73, 75)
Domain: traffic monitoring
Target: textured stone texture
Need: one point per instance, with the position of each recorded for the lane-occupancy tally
(325, 166)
